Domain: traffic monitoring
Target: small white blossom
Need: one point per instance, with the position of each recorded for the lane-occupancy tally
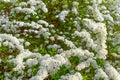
(43, 22)
(96, 14)
(62, 15)
(55, 46)
(101, 74)
(75, 3)
(27, 43)
(112, 72)
(31, 62)
(83, 65)
(76, 76)
(36, 78)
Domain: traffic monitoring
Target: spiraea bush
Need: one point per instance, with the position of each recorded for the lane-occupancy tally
(59, 39)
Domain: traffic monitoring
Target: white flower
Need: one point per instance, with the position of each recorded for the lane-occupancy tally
(52, 64)
(13, 40)
(77, 25)
(102, 54)
(76, 76)
(6, 0)
(33, 2)
(43, 22)
(96, 14)
(27, 43)
(62, 15)
(18, 9)
(43, 7)
(78, 52)
(83, 65)
(31, 62)
(28, 11)
(23, 4)
(38, 5)
(97, 1)
(61, 60)
(60, 38)
(75, 3)
(52, 38)
(69, 43)
(55, 46)
(74, 10)
(101, 74)
(36, 78)
(19, 67)
(111, 72)
(42, 73)
(51, 25)
(24, 10)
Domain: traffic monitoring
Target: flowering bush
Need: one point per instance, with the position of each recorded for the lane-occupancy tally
(60, 40)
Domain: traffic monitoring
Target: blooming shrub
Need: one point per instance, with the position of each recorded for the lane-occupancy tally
(60, 40)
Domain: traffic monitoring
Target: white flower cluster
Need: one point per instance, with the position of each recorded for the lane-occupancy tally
(96, 13)
(55, 46)
(67, 42)
(27, 43)
(9, 0)
(111, 72)
(41, 75)
(86, 37)
(38, 28)
(74, 9)
(88, 41)
(116, 39)
(49, 65)
(31, 62)
(38, 4)
(18, 61)
(76, 76)
(77, 23)
(53, 64)
(101, 31)
(13, 41)
(34, 5)
(115, 9)
(101, 74)
(25, 10)
(62, 15)
(43, 22)
(82, 54)
(87, 63)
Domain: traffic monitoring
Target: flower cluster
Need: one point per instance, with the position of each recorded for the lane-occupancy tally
(41, 40)
(76, 76)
